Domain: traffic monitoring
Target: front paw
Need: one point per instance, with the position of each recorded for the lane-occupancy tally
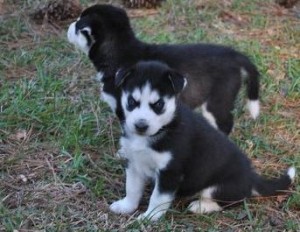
(148, 217)
(123, 206)
(142, 217)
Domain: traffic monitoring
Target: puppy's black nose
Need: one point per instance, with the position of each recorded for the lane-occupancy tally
(141, 126)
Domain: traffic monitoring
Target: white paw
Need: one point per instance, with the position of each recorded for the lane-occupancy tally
(204, 206)
(195, 207)
(149, 217)
(123, 207)
(143, 217)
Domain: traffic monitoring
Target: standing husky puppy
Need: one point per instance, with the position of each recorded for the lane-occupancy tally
(214, 73)
(166, 141)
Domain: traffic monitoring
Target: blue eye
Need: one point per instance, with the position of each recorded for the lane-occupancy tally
(158, 106)
(131, 103)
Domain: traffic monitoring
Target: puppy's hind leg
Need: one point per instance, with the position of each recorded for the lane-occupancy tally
(206, 204)
(221, 103)
(226, 194)
(218, 116)
(209, 116)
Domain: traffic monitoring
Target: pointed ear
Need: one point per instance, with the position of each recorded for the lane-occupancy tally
(178, 81)
(121, 76)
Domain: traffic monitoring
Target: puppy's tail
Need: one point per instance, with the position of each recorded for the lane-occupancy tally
(269, 187)
(251, 75)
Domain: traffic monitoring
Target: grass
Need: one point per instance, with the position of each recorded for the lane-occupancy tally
(58, 169)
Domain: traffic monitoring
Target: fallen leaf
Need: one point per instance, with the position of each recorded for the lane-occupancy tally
(19, 135)
(281, 198)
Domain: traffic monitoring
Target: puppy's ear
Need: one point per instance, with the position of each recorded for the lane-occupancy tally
(177, 80)
(121, 76)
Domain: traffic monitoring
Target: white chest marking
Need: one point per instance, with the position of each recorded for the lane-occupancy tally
(146, 161)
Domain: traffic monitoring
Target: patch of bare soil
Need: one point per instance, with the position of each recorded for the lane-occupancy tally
(2, 7)
(31, 180)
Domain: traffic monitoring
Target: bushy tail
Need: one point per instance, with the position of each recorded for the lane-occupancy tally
(250, 73)
(269, 187)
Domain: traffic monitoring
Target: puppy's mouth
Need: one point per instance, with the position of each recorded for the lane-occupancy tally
(141, 133)
(159, 133)
(156, 134)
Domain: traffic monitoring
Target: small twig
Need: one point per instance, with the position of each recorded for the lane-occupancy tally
(141, 13)
(97, 119)
(113, 150)
(15, 187)
(52, 170)
(4, 199)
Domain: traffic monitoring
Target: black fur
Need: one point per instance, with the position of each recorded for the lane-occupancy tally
(201, 156)
(213, 72)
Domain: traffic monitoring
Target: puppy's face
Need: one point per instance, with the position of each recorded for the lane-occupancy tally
(146, 111)
(81, 36)
(148, 99)
(97, 23)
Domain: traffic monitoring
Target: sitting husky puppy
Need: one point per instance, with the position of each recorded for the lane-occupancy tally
(214, 73)
(166, 141)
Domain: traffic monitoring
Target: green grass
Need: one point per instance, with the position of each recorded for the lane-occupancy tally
(55, 131)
